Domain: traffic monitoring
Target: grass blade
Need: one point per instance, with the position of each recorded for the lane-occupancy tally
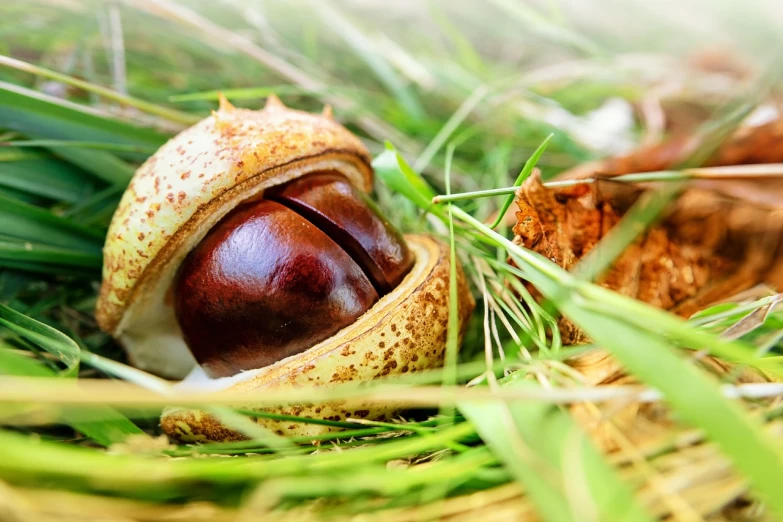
(538, 23)
(47, 178)
(109, 426)
(106, 427)
(643, 349)
(527, 169)
(37, 225)
(40, 116)
(54, 342)
(248, 93)
(150, 108)
(395, 172)
(103, 165)
(449, 127)
(72, 144)
(364, 48)
(47, 254)
(542, 447)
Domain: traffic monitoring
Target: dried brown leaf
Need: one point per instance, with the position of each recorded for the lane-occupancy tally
(722, 235)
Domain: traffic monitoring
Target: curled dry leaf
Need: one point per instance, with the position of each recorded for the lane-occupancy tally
(721, 235)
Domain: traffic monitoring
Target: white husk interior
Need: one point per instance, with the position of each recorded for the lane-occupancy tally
(198, 380)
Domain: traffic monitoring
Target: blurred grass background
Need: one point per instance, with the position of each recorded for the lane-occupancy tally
(465, 91)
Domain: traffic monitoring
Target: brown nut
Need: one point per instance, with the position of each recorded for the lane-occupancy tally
(280, 274)
(252, 164)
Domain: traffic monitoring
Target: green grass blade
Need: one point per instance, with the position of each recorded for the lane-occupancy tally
(398, 175)
(54, 342)
(70, 353)
(37, 225)
(10, 152)
(103, 165)
(40, 116)
(536, 22)
(111, 426)
(451, 125)
(364, 48)
(641, 347)
(527, 169)
(150, 108)
(69, 464)
(48, 269)
(46, 254)
(72, 144)
(12, 363)
(24, 197)
(47, 178)
(450, 361)
(247, 93)
(466, 53)
(543, 448)
(108, 426)
(386, 482)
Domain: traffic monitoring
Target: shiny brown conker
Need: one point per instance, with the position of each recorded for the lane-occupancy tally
(353, 220)
(280, 274)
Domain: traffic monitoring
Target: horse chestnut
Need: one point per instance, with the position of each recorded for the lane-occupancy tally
(280, 274)
(244, 255)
